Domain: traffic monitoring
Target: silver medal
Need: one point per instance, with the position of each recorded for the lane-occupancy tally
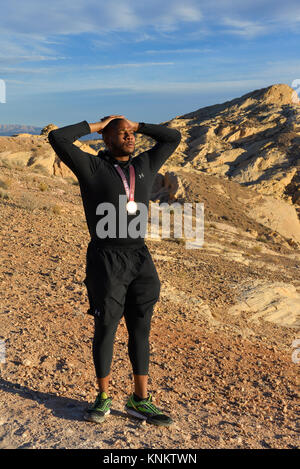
(131, 207)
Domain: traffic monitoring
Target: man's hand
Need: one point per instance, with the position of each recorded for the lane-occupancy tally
(99, 126)
(107, 119)
(134, 125)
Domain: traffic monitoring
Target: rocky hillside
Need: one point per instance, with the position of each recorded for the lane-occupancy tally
(253, 140)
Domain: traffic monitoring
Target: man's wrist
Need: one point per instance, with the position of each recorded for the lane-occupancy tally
(95, 127)
(140, 126)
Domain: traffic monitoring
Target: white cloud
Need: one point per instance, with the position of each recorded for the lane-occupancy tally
(18, 82)
(35, 28)
(282, 68)
(75, 17)
(31, 31)
(20, 47)
(188, 12)
(118, 87)
(28, 70)
(244, 28)
(177, 12)
(73, 69)
(127, 65)
(28, 58)
(176, 51)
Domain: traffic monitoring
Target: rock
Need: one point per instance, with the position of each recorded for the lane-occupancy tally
(45, 130)
(276, 302)
(277, 215)
(27, 362)
(167, 187)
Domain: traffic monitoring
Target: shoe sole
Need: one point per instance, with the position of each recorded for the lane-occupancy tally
(134, 413)
(95, 418)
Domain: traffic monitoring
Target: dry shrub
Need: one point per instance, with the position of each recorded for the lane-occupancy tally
(5, 183)
(56, 209)
(38, 168)
(43, 186)
(3, 194)
(29, 202)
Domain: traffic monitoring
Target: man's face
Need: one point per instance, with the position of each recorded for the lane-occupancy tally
(121, 139)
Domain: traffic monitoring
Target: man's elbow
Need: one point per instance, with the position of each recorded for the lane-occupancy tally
(54, 140)
(51, 136)
(177, 136)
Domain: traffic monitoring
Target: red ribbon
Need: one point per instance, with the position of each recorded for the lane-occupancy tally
(129, 191)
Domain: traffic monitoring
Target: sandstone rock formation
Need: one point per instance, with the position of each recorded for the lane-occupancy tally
(34, 152)
(253, 140)
(275, 302)
(45, 130)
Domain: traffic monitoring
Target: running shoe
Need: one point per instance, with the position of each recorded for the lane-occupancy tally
(146, 410)
(100, 409)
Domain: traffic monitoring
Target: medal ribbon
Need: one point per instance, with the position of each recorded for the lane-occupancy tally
(129, 191)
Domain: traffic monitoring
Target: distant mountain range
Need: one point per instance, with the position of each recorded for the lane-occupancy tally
(11, 129)
(7, 130)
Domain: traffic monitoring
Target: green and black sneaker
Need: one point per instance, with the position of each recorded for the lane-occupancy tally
(99, 410)
(146, 410)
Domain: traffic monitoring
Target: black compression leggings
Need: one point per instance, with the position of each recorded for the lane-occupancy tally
(138, 344)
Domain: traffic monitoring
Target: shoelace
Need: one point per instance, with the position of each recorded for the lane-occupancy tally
(100, 402)
(151, 406)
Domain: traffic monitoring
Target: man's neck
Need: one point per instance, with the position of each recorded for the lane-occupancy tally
(121, 158)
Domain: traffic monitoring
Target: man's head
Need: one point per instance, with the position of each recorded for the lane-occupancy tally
(119, 137)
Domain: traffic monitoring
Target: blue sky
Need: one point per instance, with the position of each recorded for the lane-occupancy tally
(68, 61)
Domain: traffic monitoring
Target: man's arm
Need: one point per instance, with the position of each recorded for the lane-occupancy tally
(62, 140)
(167, 141)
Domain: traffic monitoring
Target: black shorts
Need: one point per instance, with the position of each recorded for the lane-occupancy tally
(120, 279)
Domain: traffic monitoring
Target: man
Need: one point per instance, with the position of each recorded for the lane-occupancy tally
(121, 278)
